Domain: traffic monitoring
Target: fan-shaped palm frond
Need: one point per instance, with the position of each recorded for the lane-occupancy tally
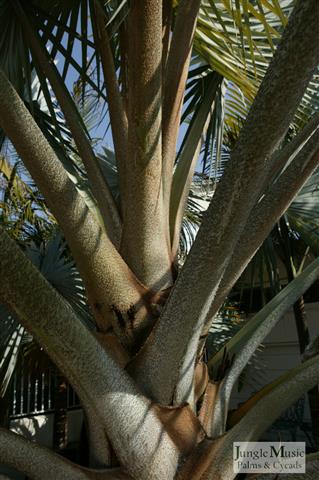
(52, 259)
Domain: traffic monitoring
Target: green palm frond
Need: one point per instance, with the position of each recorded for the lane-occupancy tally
(237, 38)
(23, 211)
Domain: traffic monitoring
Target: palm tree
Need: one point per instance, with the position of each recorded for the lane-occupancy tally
(152, 410)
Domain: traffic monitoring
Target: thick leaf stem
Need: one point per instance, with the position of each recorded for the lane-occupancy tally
(264, 216)
(145, 241)
(174, 84)
(137, 435)
(118, 117)
(108, 279)
(98, 183)
(38, 462)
